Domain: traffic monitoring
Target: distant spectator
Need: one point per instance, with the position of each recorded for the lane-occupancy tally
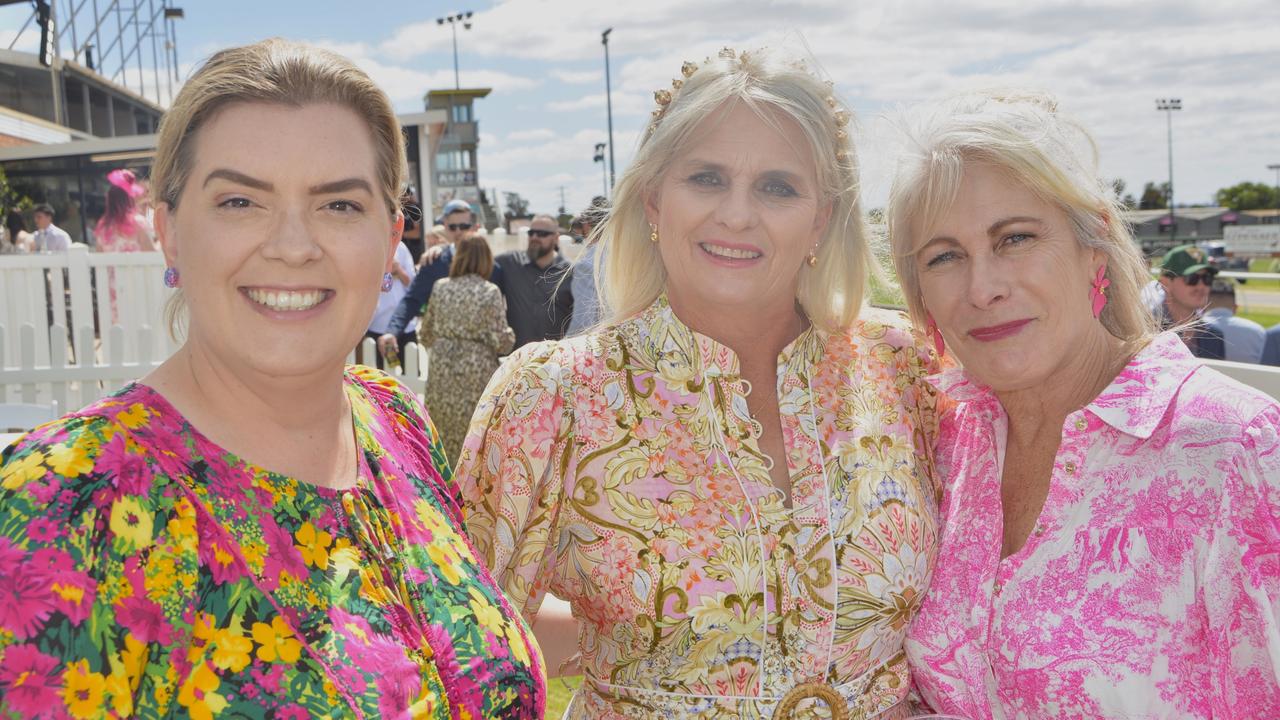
(1243, 338)
(402, 273)
(1187, 276)
(586, 301)
(21, 240)
(458, 221)
(49, 237)
(437, 235)
(413, 236)
(465, 327)
(122, 228)
(1271, 350)
(539, 304)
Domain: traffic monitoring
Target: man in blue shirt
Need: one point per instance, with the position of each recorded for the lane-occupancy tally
(458, 220)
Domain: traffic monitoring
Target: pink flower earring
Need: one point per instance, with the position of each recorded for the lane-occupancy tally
(938, 344)
(1099, 293)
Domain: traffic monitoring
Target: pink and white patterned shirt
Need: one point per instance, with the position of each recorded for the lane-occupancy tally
(1150, 586)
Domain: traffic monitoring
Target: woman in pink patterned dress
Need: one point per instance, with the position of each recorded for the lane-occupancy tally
(1110, 543)
(730, 482)
(122, 228)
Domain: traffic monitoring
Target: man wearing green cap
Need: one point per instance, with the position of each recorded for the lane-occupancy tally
(1186, 275)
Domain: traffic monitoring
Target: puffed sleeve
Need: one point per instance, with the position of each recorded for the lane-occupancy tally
(1241, 580)
(512, 472)
(78, 617)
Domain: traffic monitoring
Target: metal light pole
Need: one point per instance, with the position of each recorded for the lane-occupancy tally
(453, 20)
(604, 172)
(1168, 105)
(608, 98)
(1277, 169)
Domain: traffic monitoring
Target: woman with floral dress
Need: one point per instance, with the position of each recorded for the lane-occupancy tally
(730, 481)
(1111, 542)
(253, 530)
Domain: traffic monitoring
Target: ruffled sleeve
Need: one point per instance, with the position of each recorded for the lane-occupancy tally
(81, 616)
(1241, 579)
(512, 471)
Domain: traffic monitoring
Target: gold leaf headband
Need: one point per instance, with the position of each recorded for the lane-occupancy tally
(664, 97)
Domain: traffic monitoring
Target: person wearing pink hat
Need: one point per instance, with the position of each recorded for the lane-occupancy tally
(122, 228)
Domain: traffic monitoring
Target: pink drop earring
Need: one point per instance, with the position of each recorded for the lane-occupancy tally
(938, 343)
(1099, 291)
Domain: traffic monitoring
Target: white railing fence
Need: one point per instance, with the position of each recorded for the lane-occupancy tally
(76, 382)
(74, 290)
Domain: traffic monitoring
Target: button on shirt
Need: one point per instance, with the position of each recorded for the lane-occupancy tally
(52, 239)
(1149, 585)
(539, 305)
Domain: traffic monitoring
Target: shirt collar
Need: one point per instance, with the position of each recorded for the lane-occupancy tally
(1134, 403)
(664, 343)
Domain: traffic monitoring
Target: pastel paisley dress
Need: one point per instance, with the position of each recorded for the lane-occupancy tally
(1150, 587)
(146, 572)
(621, 471)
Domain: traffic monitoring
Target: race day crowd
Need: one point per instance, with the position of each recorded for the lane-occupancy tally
(1023, 495)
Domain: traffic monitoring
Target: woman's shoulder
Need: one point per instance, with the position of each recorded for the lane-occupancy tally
(1211, 398)
(880, 336)
(875, 325)
(82, 466)
(386, 393)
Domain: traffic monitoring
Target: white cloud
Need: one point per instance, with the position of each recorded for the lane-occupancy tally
(579, 77)
(532, 134)
(1106, 61)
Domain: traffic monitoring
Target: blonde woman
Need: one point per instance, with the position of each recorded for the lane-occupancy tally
(730, 482)
(1112, 506)
(254, 530)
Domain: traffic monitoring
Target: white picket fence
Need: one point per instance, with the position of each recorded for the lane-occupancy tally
(43, 295)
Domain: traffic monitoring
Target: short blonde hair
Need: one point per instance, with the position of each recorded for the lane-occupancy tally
(1023, 134)
(272, 71)
(831, 292)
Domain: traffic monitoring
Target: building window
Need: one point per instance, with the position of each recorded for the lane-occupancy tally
(462, 113)
(455, 160)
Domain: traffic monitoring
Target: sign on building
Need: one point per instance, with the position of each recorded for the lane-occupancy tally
(1252, 239)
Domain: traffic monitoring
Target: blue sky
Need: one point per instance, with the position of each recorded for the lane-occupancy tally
(1106, 60)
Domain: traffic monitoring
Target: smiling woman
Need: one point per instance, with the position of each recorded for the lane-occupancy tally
(254, 530)
(731, 480)
(1112, 506)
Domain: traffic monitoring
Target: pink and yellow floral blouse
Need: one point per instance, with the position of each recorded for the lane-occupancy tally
(1150, 588)
(621, 472)
(146, 572)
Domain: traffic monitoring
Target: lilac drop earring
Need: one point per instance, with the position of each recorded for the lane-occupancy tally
(171, 277)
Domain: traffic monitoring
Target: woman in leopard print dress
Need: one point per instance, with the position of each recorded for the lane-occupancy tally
(465, 328)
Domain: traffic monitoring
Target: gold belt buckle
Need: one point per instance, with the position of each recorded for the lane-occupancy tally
(821, 691)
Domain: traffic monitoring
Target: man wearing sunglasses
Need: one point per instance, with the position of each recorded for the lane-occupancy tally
(539, 305)
(1186, 276)
(458, 220)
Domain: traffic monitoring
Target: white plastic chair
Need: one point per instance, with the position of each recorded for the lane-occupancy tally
(21, 417)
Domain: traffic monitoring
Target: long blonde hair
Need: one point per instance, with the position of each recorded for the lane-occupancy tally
(1023, 134)
(831, 292)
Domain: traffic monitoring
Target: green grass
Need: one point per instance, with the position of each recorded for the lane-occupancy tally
(559, 690)
(1263, 265)
(1265, 319)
